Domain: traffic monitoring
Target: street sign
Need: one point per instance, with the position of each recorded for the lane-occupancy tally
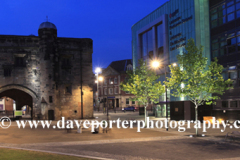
(111, 97)
(18, 113)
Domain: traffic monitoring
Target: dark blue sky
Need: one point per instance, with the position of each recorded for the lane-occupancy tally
(107, 22)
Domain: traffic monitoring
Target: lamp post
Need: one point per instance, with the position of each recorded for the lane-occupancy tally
(107, 99)
(97, 71)
(156, 64)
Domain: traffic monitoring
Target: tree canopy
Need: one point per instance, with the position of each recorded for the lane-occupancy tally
(143, 84)
(194, 78)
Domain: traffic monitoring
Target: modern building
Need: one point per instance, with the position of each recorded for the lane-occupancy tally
(225, 45)
(163, 34)
(109, 90)
(50, 74)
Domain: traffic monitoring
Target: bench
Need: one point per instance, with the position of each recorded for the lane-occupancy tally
(233, 134)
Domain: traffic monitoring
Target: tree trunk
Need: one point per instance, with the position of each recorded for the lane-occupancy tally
(145, 113)
(196, 119)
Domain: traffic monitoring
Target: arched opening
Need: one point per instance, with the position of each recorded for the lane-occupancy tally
(16, 101)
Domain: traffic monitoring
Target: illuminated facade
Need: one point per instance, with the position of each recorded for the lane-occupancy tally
(50, 74)
(163, 34)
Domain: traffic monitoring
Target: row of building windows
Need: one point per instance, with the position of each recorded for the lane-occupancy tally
(110, 91)
(234, 75)
(128, 102)
(231, 104)
(226, 43)
(111, 81)
(147, 42)
(225, 13)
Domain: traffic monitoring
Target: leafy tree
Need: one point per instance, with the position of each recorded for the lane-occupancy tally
(194, 78)
(144, 85)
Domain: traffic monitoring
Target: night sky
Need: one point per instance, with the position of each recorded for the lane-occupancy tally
(107, 22)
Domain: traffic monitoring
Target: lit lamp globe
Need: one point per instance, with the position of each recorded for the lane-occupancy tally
(155, 64)
(100, 78)
(98, 70)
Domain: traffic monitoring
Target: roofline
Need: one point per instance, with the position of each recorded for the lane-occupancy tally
(4, 35)
(149, 13)
(17, 36)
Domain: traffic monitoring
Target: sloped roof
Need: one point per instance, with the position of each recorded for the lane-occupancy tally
(121, 66)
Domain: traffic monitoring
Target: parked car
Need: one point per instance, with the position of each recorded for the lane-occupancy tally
(130, 108)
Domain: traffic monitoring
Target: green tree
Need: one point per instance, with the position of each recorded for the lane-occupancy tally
(194, 78)
(144, 84)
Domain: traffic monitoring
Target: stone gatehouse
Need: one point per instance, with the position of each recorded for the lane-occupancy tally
(52, 75)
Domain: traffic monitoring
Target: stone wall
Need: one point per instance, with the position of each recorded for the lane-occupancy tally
(51, 69)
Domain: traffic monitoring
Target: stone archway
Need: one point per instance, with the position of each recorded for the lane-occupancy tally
(21, 95)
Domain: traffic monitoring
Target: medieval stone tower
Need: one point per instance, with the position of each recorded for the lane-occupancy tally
(52, 75)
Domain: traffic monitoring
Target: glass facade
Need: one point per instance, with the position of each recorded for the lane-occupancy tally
(225, 12)
(164, 32)
(160, 39)
(225, 46)
(147, 43)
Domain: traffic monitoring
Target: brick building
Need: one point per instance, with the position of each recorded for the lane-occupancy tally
(109, 89)
(48, 73)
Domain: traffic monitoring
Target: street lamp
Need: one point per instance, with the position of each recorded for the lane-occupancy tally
(156, 64)
(97, 71)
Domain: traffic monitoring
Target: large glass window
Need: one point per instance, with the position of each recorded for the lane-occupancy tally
(144, 44)
(222, 13)
(238, 46)
(222, 20)
(214, 16)
(233, 41)
(238, 39)
(221, 7)
(237, 6)
(222, 52)
(233, 75)
(231, 17)
(231, 49)
(238, 14)
(233, 104)
(160, 40)
(224, 104)
(225, 75)
(214, 24)
(147, 43)
(222, 44)
(215, 54)
(230, 9)
(214, 10)
(215, 46)
(230, 3)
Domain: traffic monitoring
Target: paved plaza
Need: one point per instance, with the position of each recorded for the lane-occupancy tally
(123, 143)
